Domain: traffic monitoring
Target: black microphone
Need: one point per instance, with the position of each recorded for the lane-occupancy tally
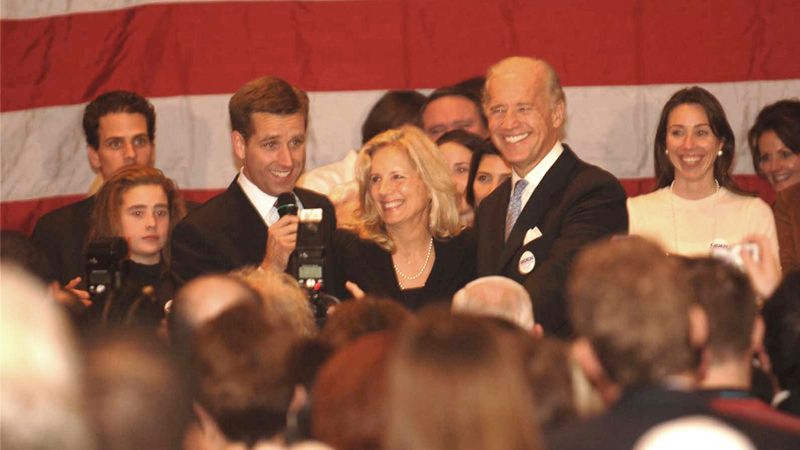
(286, 204)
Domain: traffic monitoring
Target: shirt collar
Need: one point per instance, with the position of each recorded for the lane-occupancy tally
(262, 201)
(535, 176)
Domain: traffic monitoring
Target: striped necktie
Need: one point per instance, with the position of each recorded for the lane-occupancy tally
(515, 206)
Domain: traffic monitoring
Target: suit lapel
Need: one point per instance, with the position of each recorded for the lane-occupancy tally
(554, 181)
(496, 228)
(245, 226)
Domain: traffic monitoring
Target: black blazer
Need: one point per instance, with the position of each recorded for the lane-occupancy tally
(227, 232)
(370, 266)
(640, 409)
(61, 234)
(575, 203)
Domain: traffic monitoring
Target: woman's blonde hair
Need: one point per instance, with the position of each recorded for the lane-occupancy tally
(105, 220)
(432, 170)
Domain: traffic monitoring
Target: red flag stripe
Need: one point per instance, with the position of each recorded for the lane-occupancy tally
(206, 48)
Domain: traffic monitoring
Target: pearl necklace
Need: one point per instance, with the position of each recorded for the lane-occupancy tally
(421, 270)
(675, 222)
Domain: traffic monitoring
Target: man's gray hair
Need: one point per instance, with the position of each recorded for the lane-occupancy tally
(496, 296)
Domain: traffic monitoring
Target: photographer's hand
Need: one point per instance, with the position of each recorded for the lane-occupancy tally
(281, 242)
(354, 289)
(764, 273)
(82, 295)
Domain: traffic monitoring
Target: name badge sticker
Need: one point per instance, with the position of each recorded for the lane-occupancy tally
(526, 263)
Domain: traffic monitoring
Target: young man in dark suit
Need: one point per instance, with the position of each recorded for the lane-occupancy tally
(241, 227)
(530, 228)
(120, 128)
(641, 336)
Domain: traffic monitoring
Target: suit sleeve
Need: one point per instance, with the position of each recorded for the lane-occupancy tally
(596, 212)
(48, 241)
(787, 231)
(191, 253)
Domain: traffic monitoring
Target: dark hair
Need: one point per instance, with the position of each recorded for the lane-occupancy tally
(367, 315)
(783, 118)
(718, 122)
(393, 110)
(243, 377)
(136, 366)
(782, 325)
(459, 382)
(462, 89)
(629, 300)
(724, 292)
(474, 144)
(270, 95)
(116, 102)
(548, 367)
(105, 219)
(472, 85)
(17, 248)
(350, 397)
(485, 148)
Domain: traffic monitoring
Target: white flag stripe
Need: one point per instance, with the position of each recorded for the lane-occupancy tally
(44, 152)
(31, 9)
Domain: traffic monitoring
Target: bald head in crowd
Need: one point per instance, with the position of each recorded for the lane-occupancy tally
(496, 296)
(203, 299)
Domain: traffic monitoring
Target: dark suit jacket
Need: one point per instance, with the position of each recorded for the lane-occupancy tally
(787, 222)
(575, 203)
(227, 232)
(61, 234)
(641, 409)
(370, 266)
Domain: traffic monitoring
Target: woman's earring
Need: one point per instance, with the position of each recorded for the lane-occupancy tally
(719, 153)
(666, 151)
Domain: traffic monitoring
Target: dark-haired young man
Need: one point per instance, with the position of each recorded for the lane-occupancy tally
(120, 129)
(736, 332)
(640, 330)
(453, 108)
(241, 227)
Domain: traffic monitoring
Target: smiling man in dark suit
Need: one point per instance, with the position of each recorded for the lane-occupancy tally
(241, 227)
(530, 228)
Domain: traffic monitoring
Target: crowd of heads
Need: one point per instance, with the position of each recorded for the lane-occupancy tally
(240, 360)
(243, 350)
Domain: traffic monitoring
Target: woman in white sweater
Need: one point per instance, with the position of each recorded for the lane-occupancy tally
(696, 204)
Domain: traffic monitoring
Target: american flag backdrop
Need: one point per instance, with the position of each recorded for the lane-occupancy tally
(619, 60)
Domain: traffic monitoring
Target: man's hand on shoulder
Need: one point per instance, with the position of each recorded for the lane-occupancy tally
(281, 242)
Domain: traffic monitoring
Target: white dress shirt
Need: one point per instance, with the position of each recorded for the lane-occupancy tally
(262, 201)
(534, 177)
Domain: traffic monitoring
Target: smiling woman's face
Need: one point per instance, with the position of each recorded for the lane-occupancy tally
(397, 189)
(492, 170)
(692, 144)
(779, 164)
